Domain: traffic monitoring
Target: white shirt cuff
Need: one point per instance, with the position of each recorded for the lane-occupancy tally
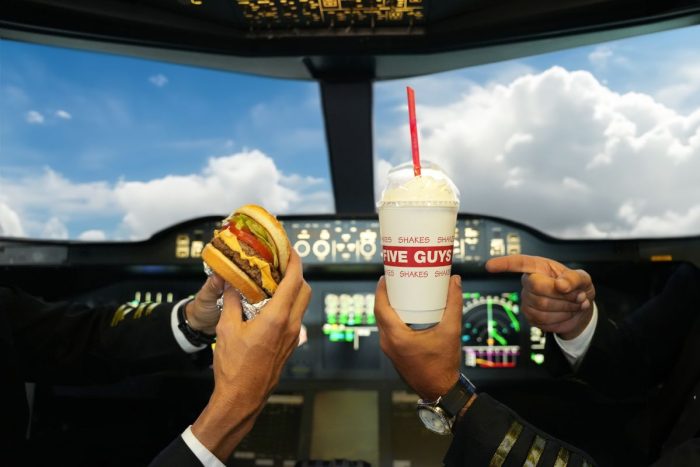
(575, 349)
(186, 345)
(198, 449)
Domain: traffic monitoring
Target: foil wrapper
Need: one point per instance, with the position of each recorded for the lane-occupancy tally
(250, 310)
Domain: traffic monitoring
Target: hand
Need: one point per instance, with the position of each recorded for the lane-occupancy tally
(202, 312)
(428, 359)
(248, 360)
(554, 297)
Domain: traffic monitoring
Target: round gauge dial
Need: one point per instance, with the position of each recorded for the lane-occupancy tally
(491, 330)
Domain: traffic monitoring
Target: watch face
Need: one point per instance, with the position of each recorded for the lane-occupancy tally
(433, 421)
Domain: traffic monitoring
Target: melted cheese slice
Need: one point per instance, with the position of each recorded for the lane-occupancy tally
(231, 241)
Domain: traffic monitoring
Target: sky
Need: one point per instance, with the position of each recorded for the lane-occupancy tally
(595, 142)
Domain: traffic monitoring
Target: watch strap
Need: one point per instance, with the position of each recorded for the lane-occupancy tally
(194, 337)
(457, 397)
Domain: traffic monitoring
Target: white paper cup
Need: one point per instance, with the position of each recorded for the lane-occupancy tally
(417, 239)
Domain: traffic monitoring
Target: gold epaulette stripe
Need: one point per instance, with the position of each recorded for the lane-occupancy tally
(150, 308)
(536, 448)
(145, 309)
(506, 445)
(562, 458)
(120, 313)
(139, 309)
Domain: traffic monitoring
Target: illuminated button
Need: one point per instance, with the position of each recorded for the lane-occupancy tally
(303, 248)
(498, 247)
(331, 299)
(321, 248)
(182, 246)
(196, 248)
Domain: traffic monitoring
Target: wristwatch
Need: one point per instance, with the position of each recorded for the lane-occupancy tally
(438, 416)
(194, 337)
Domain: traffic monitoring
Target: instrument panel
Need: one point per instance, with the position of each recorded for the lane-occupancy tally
(342, 262)
(357, 241)
(496, 340)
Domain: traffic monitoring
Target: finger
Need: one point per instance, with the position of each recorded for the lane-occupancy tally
(387, 318)
(291, 282)
(545, 286)
(525, 263)
(212, 288)
(541, 318)
(452, 318)
(232, 313)
(301, 303)
(570, 280)
(550, 305)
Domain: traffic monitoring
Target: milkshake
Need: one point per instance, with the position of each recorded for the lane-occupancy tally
(417, 216)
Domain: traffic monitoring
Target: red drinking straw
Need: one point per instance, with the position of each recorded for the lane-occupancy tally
(414, 130)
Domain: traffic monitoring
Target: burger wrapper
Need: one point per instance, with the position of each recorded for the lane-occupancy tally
(250, 310)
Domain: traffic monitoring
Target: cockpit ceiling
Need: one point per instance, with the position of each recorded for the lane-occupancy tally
(376, 39)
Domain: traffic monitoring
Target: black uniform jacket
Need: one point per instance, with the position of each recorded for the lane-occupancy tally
(653, 356)
(68, 343)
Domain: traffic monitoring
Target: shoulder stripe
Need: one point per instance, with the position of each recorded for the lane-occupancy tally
(562, 458)
(536, 448)
(506, 445)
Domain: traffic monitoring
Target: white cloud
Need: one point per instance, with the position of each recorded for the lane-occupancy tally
(55, 229)
(10, 224)
(141, 208)
(34, 117)
(685, 87)
(63, 114)
(600, 56)
(93, 235)
(604, 57)
(560, 151)
(158, 80)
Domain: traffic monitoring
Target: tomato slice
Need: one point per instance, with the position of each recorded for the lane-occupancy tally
(253, 242)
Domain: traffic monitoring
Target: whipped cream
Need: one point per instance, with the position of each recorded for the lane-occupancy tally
(423, 188)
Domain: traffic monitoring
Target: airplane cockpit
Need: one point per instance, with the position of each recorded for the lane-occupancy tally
(129, 130)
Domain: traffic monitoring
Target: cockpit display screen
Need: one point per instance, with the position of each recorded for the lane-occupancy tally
(494, 335)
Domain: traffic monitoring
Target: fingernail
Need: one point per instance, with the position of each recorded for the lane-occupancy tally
(585, 305)
(457, 280)
(581, 297)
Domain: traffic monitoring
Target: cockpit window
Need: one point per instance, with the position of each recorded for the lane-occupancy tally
(104, 147)
(600, 141)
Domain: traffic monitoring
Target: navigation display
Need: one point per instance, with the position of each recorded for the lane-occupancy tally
(494, 335)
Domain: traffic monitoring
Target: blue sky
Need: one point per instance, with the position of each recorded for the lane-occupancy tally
(85, 138)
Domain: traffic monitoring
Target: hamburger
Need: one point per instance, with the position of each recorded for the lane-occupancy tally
(250, 251)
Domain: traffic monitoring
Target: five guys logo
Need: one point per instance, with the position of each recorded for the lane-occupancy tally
(417, 256)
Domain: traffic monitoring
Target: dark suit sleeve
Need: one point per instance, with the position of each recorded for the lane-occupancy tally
(71, 343)
(628, 357)
(492, 434)
(685, 455)
(176, 454)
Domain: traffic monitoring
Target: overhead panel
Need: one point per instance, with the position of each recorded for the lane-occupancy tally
(283, 14)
